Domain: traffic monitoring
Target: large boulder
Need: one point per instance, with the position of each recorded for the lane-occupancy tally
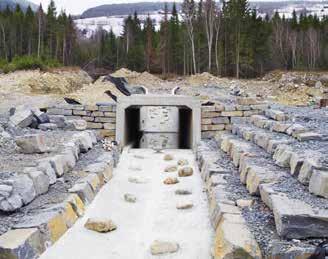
(32, 143)
(297, 219)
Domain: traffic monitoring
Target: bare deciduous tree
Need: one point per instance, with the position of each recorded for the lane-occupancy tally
(188, 15)
(209, 15)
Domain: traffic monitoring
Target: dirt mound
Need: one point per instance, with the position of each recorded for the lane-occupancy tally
(146, 79)
(124, 72)
(93, 93)
(204, 79)
(57, 82)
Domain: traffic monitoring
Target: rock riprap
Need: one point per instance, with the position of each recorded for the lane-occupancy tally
(171, 169)
(186, 171)
(171, 180)
(184, 205)
(183, 162)
(100, 225)
(168, 157)
(183, 192)
(130, 198)
(163, 247)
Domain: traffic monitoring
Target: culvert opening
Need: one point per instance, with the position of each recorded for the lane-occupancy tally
(158, 127)
(132, 132)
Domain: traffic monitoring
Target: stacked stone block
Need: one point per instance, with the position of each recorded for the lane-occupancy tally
(100, 117)
(220, 116)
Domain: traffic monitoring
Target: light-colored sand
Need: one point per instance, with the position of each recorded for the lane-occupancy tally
(153, 216)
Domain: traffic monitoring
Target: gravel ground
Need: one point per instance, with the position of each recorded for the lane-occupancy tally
(56, 194)
(259, 218)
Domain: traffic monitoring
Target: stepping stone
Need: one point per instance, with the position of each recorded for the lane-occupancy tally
(168, 157)
(171, 169)
(130, 198)
(186, 171)
(163, 247)
(183, 162)
(137, 180)
(171, 180)
(185, 205)
(183, 192)
(100, 225)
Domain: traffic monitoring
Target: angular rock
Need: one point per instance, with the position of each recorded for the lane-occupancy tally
(12, 203)
(33, 143)
(76, 125)
(56, 163)
(102, 169)
(296, 219)
(40, 181)
(51, 221)
(24, 187)
(84, 191)
(234, 240)
(100, 225)
(40, 116)
(84, 141)
(77, 204)
(171, 180)
(130, 198)
(312, 161)
(306, 136)
(22, 117)
(46, 168)
(319, 183)
(48, 126)
(21, 244)
(59, 120)
(163, 247)
(185, 171)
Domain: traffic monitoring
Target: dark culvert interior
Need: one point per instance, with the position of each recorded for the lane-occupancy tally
(133, 135)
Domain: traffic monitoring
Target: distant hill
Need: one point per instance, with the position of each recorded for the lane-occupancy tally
(12, 3)
(264, 7)
(125, 9)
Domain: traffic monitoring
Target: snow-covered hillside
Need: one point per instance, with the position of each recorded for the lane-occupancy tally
(89, 25)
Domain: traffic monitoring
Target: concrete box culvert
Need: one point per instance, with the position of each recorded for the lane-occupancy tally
(158, 121)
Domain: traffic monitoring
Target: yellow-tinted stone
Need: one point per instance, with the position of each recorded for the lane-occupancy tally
(234, 240)
(57, 227)
(69, 215)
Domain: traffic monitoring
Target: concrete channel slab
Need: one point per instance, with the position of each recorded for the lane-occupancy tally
(153, 216)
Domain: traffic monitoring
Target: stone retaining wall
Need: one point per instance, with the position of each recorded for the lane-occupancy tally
(219, 116)
(101, 117)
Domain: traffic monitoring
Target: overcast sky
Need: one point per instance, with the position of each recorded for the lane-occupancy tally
(78, 6)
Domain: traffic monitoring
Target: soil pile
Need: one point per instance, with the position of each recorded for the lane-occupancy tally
(94, 93)
(58, 81)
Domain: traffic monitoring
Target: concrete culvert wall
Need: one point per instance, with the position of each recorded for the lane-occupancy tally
(158, 122)
(158, 127)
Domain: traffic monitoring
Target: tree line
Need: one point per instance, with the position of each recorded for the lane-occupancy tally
(47, 36)
(231, 40)
(226, 40)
